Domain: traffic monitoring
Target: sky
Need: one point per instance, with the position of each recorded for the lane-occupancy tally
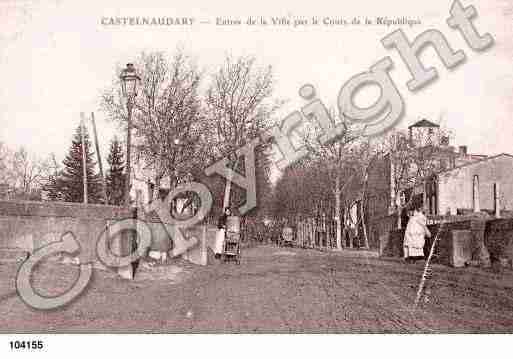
(56, 58)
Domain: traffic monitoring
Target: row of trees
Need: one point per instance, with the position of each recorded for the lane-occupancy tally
(66, 183)
(327, 181)
(335, 176)
(185, 120)
(26, 176)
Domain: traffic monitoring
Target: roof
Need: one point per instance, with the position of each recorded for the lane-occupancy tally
(477, 161)
(423, 123)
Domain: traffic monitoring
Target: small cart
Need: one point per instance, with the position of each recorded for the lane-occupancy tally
(232, 247)
(287, 237)
(232, 241)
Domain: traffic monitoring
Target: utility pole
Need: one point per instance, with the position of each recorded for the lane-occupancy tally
(104, 185)
(84, 160)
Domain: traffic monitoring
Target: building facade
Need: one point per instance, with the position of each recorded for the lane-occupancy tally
(452, 182)
(477, 186)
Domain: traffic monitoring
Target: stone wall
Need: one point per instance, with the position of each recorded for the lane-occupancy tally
(487, 240)
(392, 244)
(27, 225)
(193, 247)
(499, 240)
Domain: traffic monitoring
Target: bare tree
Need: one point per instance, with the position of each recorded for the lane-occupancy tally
(167, 116)
(25, 173)
(342, 159)
(413, 158)
(239, 104)
(29, 171)
(5, 154)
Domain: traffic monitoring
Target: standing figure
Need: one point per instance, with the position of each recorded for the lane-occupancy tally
(221, 226)
(414, 236)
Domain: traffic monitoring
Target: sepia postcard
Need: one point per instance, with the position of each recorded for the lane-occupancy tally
(267, 167)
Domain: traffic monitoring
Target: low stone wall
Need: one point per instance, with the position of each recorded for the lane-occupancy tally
(194, 248)
(27, 226)
(391, 245)
(62, 209)
(474, 240)
(499, 240)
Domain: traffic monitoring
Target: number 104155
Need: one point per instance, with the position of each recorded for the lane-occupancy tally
(26, 344)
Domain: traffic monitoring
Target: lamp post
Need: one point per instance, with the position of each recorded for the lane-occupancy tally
(129, 80)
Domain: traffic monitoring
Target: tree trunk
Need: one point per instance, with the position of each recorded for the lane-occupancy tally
(227, 191)
(149, 189)
(362, 213)
(398, 211)
(365, 238)
(228, 187)
(337, 214)
(156, 189)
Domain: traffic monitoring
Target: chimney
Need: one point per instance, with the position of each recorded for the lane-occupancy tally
(463, 150)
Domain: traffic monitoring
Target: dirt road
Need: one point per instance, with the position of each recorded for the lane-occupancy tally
(273, 290)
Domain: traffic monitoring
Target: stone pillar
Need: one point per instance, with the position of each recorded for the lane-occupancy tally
(480, 252)
(383, 243)
(496, 200)
(475, 197)
(460, 248)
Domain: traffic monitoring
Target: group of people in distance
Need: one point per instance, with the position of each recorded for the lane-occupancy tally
(413, 244)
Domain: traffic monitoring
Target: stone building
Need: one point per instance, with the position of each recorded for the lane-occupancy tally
(458, 182)
(479, 185)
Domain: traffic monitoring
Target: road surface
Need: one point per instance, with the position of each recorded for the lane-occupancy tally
(274, 290)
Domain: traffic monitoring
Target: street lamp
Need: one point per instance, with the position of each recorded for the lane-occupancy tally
(129, 80)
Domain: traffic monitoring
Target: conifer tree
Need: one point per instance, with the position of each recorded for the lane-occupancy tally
(69, 183)
(115, 173)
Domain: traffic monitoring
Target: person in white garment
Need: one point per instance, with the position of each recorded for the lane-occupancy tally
(221, 230)
(415, 236)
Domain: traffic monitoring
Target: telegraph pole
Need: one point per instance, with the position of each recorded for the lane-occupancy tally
(84, 159)
(104, 185)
